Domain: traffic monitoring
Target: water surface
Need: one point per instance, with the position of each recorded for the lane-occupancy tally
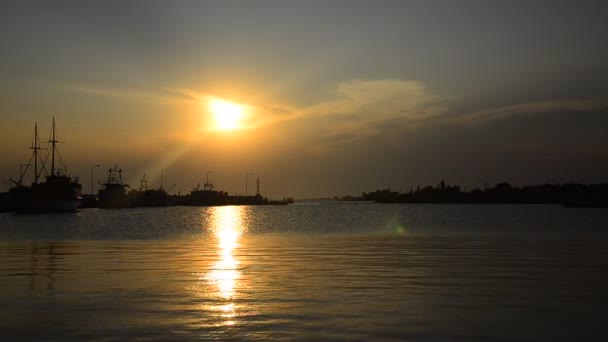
(306, 272)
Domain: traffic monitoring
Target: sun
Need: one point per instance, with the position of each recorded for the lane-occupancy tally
(227, 114)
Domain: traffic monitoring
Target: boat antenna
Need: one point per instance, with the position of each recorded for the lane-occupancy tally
(143, 183)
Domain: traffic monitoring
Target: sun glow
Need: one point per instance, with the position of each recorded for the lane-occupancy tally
(227, 114)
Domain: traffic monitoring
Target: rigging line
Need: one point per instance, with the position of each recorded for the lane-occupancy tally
(42, 164)
(46, 159)
(27, 166)
(65, 167)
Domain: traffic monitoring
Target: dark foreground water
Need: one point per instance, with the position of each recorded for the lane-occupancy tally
(307, 272)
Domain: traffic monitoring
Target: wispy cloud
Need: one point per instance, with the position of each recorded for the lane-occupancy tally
(353, 104)
(352, 108)
(531, 108)
(379, 98)
(162, 95)
(358, 109)
(367, 109)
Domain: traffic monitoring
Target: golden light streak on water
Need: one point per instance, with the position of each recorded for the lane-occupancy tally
(226, 227)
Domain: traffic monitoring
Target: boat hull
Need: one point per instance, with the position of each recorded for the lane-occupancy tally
(47, 205)
(46, 198)
(114, 196)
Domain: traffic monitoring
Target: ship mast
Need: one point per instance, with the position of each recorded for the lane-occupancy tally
(53, 141)
(143, 183)
(36, 147)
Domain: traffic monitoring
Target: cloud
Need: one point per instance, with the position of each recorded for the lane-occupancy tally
(350, 108)
(357, 105)
(530, 108)
(379, 98)
(363, 108)
(367, 109)
(163, 96)
(356, 109)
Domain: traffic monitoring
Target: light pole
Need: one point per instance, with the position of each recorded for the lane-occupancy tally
(161, 178)
(92, 168)
(246, 181)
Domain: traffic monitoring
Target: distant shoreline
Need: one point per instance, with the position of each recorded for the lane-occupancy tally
(569, 195)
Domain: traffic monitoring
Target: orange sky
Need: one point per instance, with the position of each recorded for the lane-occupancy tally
(341, 98)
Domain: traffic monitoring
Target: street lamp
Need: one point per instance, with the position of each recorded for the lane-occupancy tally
(246, 181)
(93, 166)
(161, 178)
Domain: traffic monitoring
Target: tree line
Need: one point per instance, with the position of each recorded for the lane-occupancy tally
(569, 194)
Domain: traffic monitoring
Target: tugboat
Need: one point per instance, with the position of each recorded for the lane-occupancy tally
(59, 193)
(114, 193)
(207, 197)
(145, 197)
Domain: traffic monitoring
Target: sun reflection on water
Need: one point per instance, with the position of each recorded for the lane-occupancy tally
(227, 227)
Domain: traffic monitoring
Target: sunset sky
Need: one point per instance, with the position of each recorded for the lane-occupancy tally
(336, 97)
